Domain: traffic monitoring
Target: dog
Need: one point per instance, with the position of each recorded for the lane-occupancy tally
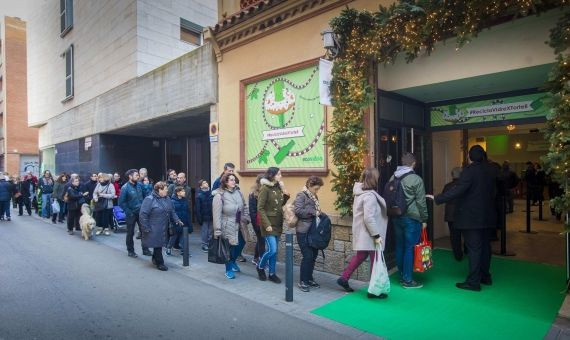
(86, 222)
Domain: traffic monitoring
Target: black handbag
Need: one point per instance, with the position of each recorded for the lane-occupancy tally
(219, 250)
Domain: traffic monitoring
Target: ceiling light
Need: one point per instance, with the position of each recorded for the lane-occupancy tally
(511, 127)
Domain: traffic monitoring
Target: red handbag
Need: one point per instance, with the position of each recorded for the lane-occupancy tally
(423, 254)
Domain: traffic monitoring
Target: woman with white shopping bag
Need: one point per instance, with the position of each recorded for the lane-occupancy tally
(369, 224)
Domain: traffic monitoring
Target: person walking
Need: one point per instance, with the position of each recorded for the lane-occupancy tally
(454, 233)
(230, 216)
(46, 188)
(204, 213)
(146, 186)
(156, 214)
(103, 196)
(272, 197)
(130, 201)
(369, 225)
(6, 192)
(307, 208)
(180, 204)
(255, 221)
(407, 228)
(57, 196)
(76, 197)
(228, 169)
(475, 214)
(25, 199)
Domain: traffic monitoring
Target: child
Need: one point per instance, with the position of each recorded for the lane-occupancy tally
(204, 213)
(180, 204)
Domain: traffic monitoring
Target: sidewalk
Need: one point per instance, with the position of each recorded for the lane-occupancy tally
(246, 283)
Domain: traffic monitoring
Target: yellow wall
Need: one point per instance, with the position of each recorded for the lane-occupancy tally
(295, 44)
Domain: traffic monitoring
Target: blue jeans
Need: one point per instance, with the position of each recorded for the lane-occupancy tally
(407, 231)
(235, 251)
(206, 232)
(46, 205)
(270, 255)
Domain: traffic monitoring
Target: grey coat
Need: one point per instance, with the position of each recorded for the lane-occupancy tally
(225, 207)
(305, 210)
(154, 218)
(105, 192)
(369, 218)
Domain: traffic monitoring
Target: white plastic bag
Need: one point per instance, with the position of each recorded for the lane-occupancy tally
(55, 207)
(379, 280)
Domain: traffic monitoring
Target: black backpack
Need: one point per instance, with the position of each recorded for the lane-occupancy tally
(395, 197)
(319, 235)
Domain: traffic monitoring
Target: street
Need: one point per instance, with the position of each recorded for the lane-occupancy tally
(57, 286)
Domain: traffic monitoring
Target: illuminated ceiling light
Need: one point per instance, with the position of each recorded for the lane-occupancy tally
(511, 127)
(518, 146)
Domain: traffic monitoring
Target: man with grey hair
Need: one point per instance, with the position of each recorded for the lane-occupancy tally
(454, 234)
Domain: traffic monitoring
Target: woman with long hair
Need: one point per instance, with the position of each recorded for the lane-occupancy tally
(103, 196)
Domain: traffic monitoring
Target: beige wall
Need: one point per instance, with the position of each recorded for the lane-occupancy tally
(295, 44)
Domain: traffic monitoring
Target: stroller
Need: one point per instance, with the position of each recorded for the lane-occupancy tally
(119, 219)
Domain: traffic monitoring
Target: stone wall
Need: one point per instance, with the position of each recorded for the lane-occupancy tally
(337, 254)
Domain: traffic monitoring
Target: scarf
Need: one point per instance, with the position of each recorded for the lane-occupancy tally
(313, 197)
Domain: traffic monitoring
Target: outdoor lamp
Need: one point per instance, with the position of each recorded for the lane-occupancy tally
(330, 43)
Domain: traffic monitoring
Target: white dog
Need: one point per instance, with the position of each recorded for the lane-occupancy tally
(86, 222)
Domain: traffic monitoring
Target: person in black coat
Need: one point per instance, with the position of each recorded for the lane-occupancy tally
(454, 233)
(204, 213)
(6, 193)
(75, 198)
(24, 187)
(90, 186)
(475, 214)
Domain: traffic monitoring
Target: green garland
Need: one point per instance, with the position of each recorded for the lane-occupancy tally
(407, 28)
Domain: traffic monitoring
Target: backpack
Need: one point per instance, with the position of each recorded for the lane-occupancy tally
(395, 197)
(319, 235)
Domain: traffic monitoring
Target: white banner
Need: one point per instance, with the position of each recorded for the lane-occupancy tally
(325, 77)
(500, 109)
(296, 131)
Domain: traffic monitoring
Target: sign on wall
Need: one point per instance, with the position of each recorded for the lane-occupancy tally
(284, 121)
(29, 163)
(510, 108)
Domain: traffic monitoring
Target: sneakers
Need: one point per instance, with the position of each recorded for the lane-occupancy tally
(204, 248)
(107, 232)
(344, 284)
(98, 232)
(261, 274)
(303, 286)
(131, 253)
(274, 278)
(411, 284)
(230, 275)
(235, 268)
(168, 251)
(313, 284)
(241, 259)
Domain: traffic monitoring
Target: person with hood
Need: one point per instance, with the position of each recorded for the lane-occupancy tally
(272, 197)
(454, 233)
(252, 204)
(146, 186)
(369, 225)
(75, 198)
(46, 188)
(103, 196)
(407, 228)
(230, 217)
(204, 213)
(57, 195)
(90, 185)
(156, 214)
(475, 214)
(180, 204)
(6, 192)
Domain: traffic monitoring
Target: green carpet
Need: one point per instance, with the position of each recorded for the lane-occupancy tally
(522, 303)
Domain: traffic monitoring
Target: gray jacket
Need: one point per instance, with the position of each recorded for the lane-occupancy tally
(305, 210)
(105, 192)
(155, 217)
(225, 208)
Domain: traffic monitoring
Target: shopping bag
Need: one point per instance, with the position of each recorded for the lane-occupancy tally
(218, 250)
(423, 255)
(379, 279)
(55, 207)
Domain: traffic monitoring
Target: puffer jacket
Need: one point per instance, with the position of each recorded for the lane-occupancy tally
(369, 218)
(230, 213)
(204, 206)
(306, 211)
(156, 214)
(270, 204)
(182, 211)
(131, 198)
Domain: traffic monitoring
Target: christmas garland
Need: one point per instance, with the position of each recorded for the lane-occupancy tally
(407, 28)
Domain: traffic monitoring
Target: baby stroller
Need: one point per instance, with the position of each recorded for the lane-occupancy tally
(119, 219)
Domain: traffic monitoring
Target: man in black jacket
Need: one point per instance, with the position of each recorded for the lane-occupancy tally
(475, 214)
(6, 192)
(89, 186)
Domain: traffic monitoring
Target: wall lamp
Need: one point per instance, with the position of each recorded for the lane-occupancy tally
(330, 42)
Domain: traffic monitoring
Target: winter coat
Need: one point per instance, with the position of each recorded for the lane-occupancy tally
(181, 208)
(24, 190)
(415, 193)
(75, 198)
(230, 213)
(204, 206)
(270, 204)
(58, 191)
(252, 205)
(6, 190)
(216, 185)
(117, 186)
(46, 185)
(369, 218)
(146, 189)
(105, 191)
(90, 188)
(475, 197)
(306, 211)
(131, 198)
(449, 206)
(156, 214)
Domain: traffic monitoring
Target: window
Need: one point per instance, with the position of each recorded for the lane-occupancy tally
(68, 54)
(65, 16)
(190, 32)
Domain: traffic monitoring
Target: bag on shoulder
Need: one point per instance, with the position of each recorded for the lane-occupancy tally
(395, 197)
(289, 216)
(319, 234)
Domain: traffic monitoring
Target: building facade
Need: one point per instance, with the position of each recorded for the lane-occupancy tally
(18, 142)
(112, 84)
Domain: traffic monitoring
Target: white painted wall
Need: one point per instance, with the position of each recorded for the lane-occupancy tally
(510, 46)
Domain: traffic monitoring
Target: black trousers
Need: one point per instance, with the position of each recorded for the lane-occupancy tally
(309, 257)
(157, 256)
(132, 220)
(479, 254)
(260, 243)
(103, 218)
(73, 219)
(455, 237)
(24, 203)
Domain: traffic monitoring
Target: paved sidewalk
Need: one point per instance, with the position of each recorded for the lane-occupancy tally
(246, 283)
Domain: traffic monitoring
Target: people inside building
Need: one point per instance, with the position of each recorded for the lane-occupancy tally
(454, 233)
(511, 183)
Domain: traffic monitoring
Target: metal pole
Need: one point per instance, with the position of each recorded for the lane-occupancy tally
(527, 209)
(503, 251)
(186, 255)
(288, 266)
